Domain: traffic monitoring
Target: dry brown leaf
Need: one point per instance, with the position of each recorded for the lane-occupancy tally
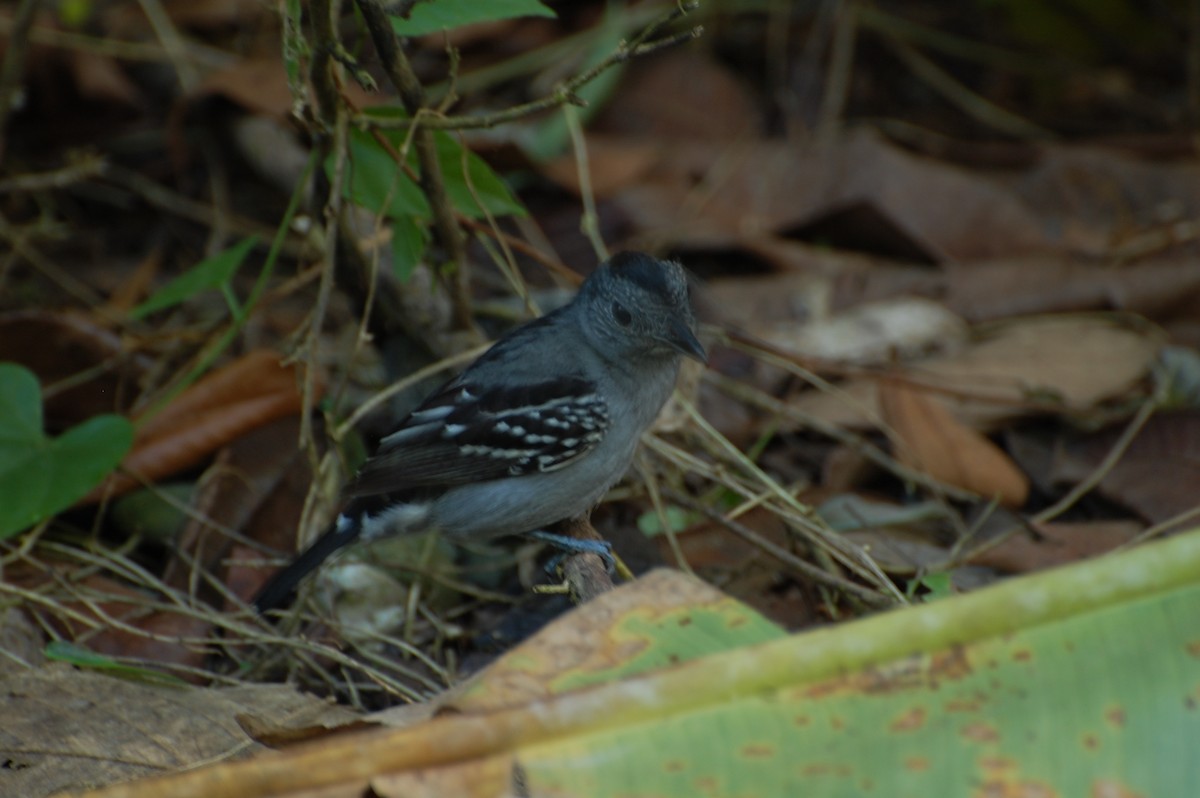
(61, 347)
(252, 376)
(613, 164)
(257, 485)
(925, 206)
(927, 437)
(101, 79)
(1068, 364)
(681, 94)
(260, 86)
(1158, 476)
(138, 632)
(874, 195)
(65, 728)
(250, 392)
(1060, 544)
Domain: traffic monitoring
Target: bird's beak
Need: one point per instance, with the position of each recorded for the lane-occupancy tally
(684, 341)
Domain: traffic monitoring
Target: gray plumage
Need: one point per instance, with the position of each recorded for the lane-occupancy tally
(533, 432)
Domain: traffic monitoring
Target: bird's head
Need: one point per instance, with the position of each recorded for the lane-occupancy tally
(637, 306)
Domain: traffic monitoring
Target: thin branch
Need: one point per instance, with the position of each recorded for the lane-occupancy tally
(565, 94)
(412, 95)
(804, 568)
(14, 63)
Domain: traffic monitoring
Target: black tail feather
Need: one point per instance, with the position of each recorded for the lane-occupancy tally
(280, 588)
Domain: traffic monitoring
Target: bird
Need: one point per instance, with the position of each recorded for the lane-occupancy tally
(534, 432)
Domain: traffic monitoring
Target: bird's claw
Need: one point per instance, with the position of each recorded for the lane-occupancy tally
(569, 545)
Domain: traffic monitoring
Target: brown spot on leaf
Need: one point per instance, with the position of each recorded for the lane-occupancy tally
(981, 732)
(950, 665)
(674, 766)
(1022, 655)
(1001, 778)
(1193, 648)
(758, 751)
(1115, 717)
(916, 764)
(910, 720)
(1091, 742)
(802, 720)
(1107, 788)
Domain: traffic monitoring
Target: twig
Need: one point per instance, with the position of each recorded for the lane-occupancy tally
(172, 43)
(584, 572)
(841, 67)
(566, 94)
(412, 95)
(13, 65)
(589, 223)
(804, 568)
(1106, 465)
(970, 102)
(800, 515)
(1076, 493)
(752, 396)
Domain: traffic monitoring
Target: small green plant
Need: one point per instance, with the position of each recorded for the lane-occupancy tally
(212, 273)
(39, 475)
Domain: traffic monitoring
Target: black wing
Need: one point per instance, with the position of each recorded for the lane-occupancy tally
(467, 433)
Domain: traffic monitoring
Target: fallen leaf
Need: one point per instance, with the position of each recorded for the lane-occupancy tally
(928, 438)
(223, 405)
(1025, 366)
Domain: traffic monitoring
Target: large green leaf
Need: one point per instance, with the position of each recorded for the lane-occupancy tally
(1082, 681)
(485, 190)
(374, 181)
(40, 476)
(436, 15)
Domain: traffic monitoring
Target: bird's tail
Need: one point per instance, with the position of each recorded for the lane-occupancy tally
(279, 589)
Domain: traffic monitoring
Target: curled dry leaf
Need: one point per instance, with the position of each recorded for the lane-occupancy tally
(245, 394)
(929, 438)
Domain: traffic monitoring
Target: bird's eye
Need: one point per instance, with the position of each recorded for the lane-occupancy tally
(621, 314)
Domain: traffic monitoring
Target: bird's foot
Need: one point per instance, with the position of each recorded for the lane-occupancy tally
(569, 545)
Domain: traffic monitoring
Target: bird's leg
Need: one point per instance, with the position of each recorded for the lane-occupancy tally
(586, 561)
(568, 545)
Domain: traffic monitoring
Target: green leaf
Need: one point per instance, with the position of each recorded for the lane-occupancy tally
(80, 657)
(214, 272)
(489, 190)
(436, 15)
(40, 476)
(678, 519)
(408, 245)
(1083, 680)
(375, 181)
(939, 585)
